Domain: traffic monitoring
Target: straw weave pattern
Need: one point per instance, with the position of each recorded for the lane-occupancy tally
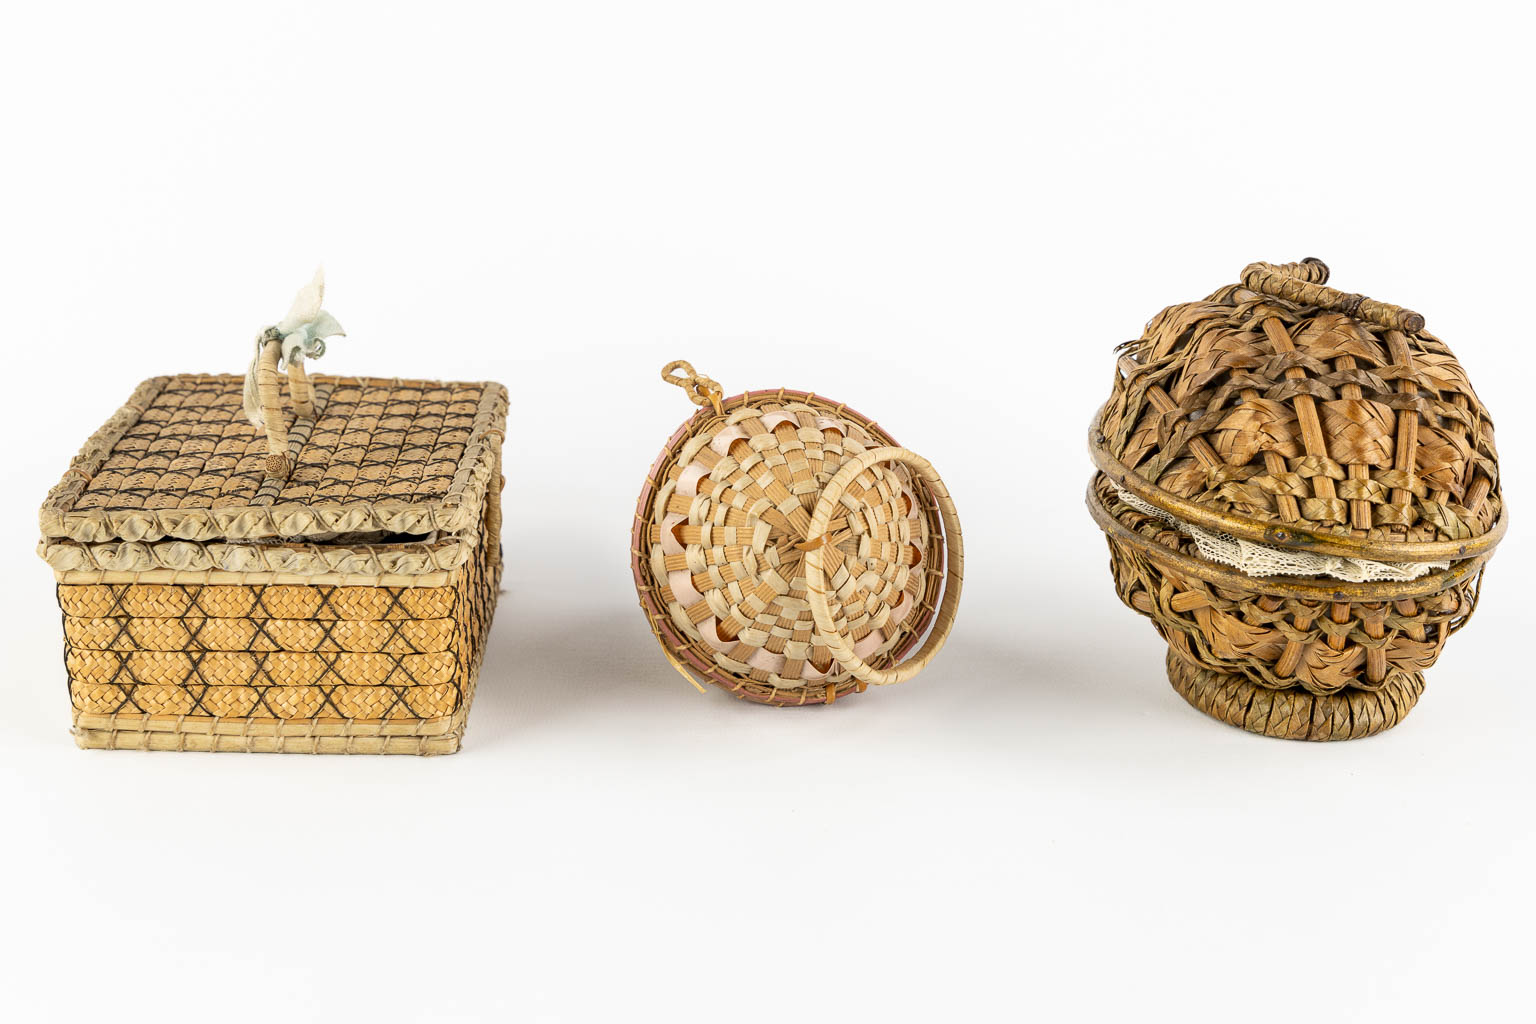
(1316, 419)
(718, 548)
(180, 461)
(344, 607)
(1285, 412)
(1276, 664)
(297, 559)
(215, 658)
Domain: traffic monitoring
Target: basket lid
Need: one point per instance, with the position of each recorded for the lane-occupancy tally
(786, 549)
(181, 461)
(1283, 411)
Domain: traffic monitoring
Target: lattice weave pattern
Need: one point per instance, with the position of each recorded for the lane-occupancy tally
(720, 548)
(303, 656)
(1260, 401)
(180, 461)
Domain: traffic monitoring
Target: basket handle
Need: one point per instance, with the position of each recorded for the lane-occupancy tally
(268, 397)
(299, 335)
(816, 579)
(701, 390)
(1304, 284)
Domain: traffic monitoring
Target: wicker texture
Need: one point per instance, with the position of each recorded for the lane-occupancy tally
(309, 658)
(1283, 411)
(347, 607)
(772, 510)
(382, 456)
(1284, 661)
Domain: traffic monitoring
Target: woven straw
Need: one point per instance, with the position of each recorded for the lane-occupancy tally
(1283, 412)
(382, 456)
(210, 605)
(787, 550)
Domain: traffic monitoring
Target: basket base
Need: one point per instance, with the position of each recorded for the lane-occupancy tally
(421, 736)
(1294, 714)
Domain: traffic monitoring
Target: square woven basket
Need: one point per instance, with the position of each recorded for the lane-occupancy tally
(339, 607)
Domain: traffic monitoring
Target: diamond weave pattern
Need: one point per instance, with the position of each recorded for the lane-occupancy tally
(276, 651)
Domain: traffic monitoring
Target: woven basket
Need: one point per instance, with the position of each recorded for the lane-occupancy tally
(1322, 427)
(787, 550)
(324, 585)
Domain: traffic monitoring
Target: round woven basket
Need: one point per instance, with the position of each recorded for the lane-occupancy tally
(786, 549)
(1324, 437)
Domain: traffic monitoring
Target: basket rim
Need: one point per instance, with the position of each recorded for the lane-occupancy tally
(1285, 535)
(457, 510)
(1280, 586)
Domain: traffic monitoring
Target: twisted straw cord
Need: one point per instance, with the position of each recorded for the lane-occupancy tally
(1292, 283)
(701, 390)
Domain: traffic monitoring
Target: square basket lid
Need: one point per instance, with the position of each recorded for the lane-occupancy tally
(181, 461)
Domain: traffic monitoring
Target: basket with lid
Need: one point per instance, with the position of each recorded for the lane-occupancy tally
(1300, 489)
(238, 571)
(787, 550)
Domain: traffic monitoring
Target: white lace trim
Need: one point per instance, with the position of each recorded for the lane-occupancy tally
(1262, 560)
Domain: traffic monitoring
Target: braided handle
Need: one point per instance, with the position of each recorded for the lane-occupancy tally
(701, 390)
(816, 578)
(1303, 284)
(269, 388)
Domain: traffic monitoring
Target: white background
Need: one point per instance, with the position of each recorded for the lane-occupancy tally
(944, 215)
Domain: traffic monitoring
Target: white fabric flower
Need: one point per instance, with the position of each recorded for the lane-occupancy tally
(306, 326)
(302, 332)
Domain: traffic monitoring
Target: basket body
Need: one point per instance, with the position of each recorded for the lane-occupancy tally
(718, 549)
(344, 609)
(1316, 437)
(1289, 661)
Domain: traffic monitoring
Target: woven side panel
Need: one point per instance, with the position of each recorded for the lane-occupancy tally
(195, 633)
(224, 601)
(243, 668)
(1282, 666)
(295, 685)
(266, 701)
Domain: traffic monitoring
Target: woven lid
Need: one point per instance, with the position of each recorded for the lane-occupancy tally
(401, 458)
(787, 550)
(1283, 411)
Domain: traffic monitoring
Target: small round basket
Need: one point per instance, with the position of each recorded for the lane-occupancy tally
(786, 549)
(1300, 490)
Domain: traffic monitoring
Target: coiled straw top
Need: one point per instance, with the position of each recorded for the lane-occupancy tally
(787, 550)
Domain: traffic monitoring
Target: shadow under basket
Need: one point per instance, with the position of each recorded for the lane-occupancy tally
(331, 597)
